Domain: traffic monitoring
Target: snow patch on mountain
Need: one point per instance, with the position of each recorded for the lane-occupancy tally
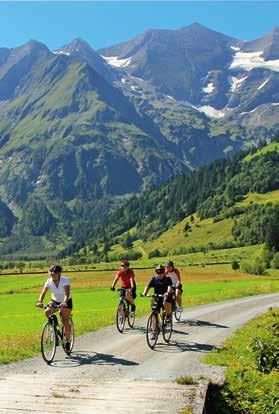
(115, 61)
(263, 84)
(61, 52)
(235, 48)
(209, 88)
(236, 82)
(251, 60)
(212, 112)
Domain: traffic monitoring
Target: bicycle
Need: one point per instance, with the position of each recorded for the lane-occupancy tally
(154, 326)
(124, 312)
(176, 313)
(52, 334)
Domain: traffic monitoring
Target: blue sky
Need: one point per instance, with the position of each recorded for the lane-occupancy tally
(105, 23)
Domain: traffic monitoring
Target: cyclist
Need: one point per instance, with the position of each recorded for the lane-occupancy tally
(174, 274)
(127, 277)
(59, 286)
(162, 285)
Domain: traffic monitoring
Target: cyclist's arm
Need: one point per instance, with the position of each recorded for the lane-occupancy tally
(178, 275)
(42, 295)
(147, 287)
(67, 294)
(115, 281)
(132, 281)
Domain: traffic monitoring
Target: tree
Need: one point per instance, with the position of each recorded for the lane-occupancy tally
(235, 265)
(272, 232)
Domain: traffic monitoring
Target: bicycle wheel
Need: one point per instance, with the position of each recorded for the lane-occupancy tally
(48, 342)
(72, 337)
(152, 330)
(131, 318)
(120, 317)
(167, 327)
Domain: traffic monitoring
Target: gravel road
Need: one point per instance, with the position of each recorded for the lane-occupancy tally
(110, 372)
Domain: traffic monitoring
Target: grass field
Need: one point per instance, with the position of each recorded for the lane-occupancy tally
(95, 304)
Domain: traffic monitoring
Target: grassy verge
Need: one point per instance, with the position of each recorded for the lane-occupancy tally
(252, 377)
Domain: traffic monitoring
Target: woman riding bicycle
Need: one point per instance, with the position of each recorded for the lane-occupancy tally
(59, 286)
(174, 274)
(128, 284)
(162, 286)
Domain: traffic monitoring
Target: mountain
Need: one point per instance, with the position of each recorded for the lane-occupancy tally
(236, 199)
(81, 130)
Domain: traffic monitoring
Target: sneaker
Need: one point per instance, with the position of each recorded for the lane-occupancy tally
(68, 346)
(179, 309)
(168, 319)
(132, 314)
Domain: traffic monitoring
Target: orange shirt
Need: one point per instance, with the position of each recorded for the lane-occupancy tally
(126, 278)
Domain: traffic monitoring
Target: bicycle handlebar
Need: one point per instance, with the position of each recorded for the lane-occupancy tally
(155, 295)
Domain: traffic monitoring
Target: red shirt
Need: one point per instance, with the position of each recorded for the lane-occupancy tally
(125, 278)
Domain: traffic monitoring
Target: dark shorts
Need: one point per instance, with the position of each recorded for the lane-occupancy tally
(122, 292)
(69, 303)
(179, 287)
(158, 303)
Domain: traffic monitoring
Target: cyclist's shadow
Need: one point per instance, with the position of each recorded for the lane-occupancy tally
(87, 358)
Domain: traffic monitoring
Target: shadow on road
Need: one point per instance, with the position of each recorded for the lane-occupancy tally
(190, 322)
(177, 347)
(87, 358)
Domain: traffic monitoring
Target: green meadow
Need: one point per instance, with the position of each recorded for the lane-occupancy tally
(95, 304)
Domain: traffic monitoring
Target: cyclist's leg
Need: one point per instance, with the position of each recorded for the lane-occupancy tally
(168, 304)
(65, 316)
(50, 310)
(178, 297)
(130, 296)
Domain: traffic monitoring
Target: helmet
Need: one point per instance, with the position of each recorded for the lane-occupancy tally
(160, 269)
(55, 268)
(169, 263)
(125, 262)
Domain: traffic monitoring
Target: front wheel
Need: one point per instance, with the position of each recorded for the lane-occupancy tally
(177, 315)
(167, 327)
(131, 318)
(72, 338)
(120, 317)
(48, 342)
(152, 330)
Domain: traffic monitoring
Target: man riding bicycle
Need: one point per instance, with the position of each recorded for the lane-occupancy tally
(59, 286)
(128, 284)
(162, 285)
(174, 274)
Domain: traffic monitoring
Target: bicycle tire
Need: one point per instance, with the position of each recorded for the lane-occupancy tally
(167, 328)
(48, 336)
(120, 317)
(72, 338)
(151, 335)
(131, 319)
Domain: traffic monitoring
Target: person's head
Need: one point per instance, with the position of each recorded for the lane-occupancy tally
(55, 271)
(170, 265)
(160, 270)
(125, 264)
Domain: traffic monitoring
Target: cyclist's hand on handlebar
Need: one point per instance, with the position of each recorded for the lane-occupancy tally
(63, 305)
(112, 288)
(39, 305)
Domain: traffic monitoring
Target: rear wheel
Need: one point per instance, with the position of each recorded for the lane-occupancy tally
(48, 342)
(72, 338)
(152, 330)
(167, 327)
(120, 317)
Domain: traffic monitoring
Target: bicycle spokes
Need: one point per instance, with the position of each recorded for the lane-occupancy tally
(48, 342)
(152, 330)
(120, 317)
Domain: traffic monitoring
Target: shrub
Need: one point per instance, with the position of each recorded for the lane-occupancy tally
(275, 261)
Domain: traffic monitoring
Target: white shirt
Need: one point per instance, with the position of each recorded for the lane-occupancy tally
(173, 276)
(58, 293)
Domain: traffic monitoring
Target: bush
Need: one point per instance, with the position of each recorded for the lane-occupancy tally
(255, 267)
(275, 261)
(235, 265)
(154, 253)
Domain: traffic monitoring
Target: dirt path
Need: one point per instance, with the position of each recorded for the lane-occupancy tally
(112, 373)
